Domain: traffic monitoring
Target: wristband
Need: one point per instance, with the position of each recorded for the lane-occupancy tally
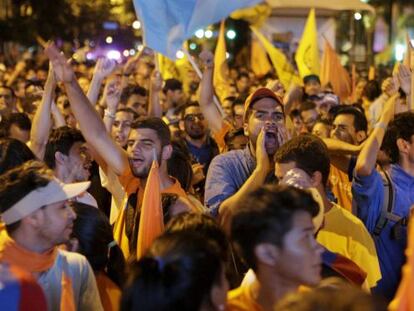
(108, 114)
(381, 125)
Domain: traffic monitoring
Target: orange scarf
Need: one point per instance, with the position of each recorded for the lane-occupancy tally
(32, 262)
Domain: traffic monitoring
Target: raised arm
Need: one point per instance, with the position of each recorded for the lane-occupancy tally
(368, 156)
(89, 120)
(154, 108)
(103, 68)
(42, 121)
(209, 109)
(112, 94)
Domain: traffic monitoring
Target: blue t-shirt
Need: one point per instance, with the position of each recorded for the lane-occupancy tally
(368, 193)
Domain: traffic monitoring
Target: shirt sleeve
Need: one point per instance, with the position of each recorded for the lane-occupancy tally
(90, 299)
(368, 193)
(219, 184)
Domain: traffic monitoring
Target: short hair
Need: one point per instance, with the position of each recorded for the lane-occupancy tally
(20, 119)
(401, 127)
(243, 74)
(295, 113)
(13, 153)
(132, 90)
(128, 110)
(307, 105)
(18, 182)
(371, 90)
(172, 85)
(177, 273)
(233, 134)
(360, 120)
(308, 152)
(156, 124)
(266, 216)
(61, 140)
(185, 107)
(179, 164)
(13, 94)
(311, 77)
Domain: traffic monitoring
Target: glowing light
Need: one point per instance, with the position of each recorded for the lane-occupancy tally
(227, 55)
(132, 52)
(136, 25)
(357, 16)
(140, 47)
(399, 52)
(179, 54)
(199, 33)
(125, 53)
(193, 46)
(89, 56)
(109, 40)
(231, 34)
(113, 54)
(208, 34)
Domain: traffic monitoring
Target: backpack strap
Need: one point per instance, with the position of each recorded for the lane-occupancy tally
(387, 204)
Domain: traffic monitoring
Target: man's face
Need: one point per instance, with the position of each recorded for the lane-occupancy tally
(195, 125)
(343, 129)
(18, 133)
(267, 114)
(238, 116)
(237, 143)
(56, 223)
(176, 97)
(121, 127)
(138, 103)
(309, 118)
(227, 104)
(78, 163)
(312, 88)
(243, 84)
(141, 145)
(297, 124)
(299, 259)
(359, 89)
(6, 100)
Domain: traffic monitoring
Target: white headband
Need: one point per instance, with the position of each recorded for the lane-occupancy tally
(54, 192)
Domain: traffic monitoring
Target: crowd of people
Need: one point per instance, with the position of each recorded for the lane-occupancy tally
(272, 198)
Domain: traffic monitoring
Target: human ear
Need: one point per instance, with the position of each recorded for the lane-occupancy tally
(266, 253)
(316, 179)
(166, 152)
(59, 157)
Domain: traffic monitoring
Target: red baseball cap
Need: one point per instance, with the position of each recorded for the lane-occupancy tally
(258, 94)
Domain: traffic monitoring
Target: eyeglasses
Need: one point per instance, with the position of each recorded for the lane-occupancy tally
(192, 117)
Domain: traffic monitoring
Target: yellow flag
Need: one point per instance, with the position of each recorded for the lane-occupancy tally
(284, 69)
(409, 50)
(166, 67)
(307, 54)
(258, 59)
(371, 73)
(334, 73)
(220, 65)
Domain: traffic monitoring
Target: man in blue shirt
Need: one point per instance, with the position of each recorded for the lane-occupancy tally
(368, 191)
(238, 172)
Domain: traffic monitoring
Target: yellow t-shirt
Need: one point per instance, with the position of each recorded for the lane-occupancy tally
(341, 187)
(345, 234)
(241, 299)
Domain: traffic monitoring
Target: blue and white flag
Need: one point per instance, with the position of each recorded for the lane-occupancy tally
(168, 23)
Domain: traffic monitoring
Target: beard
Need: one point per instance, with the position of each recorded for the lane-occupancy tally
(143, 170)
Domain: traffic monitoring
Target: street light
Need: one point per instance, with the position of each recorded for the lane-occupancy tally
(109, 40)
(208, 34)
(357, 16)
(199, 33)
(231, 34)
(136, 25)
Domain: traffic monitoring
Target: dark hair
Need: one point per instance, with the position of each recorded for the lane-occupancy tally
(233, 134)
(307, 105)
(94, 233)
(172, 85)
(20, 119)
(179, 165)
(13, 153)
(16, 183)
(311, 77)
(295, 113)
(202, 224)
(128, 110)
(156, 124)
(308, 152)
(61, 139)
(243, 74)
(178, 273)
(323, 121)
(13, 94)
(360, 121)
(185, 107)
(132, 90)
(265, 216)
(371, 90)
(401, 127)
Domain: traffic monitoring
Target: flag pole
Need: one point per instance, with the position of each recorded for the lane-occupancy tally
(200, 75)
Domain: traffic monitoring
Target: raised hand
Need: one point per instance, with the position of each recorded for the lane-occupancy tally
(404, 78)
(104, 67)
(112, 94)
(156, 81)
(207, 58)
(61, 66)
(262, 158)
(131, 64)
